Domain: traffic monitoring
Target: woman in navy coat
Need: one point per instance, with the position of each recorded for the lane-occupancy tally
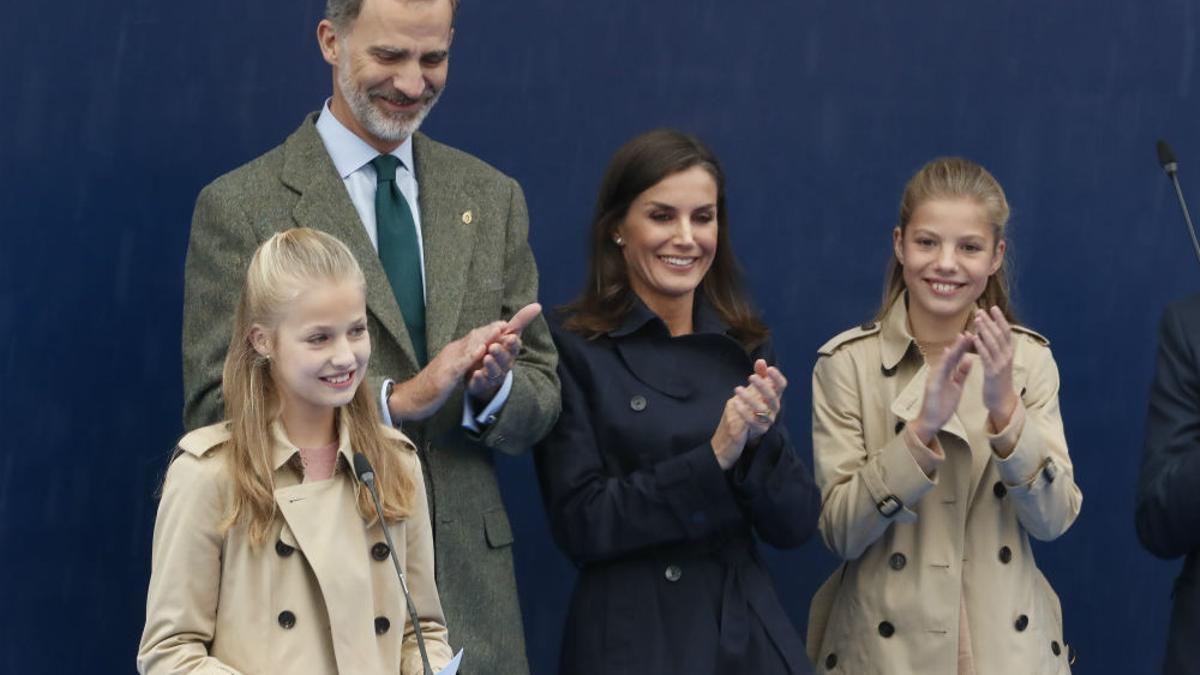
(669, 460)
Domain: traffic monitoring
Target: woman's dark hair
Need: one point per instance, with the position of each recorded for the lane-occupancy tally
(637, 166)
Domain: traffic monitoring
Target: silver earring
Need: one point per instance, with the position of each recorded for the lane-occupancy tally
(619, 241)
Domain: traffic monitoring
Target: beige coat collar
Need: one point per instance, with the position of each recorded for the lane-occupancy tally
(894, 335)
(284, 450)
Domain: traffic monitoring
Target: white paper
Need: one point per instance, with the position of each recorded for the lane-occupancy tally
(452, 667)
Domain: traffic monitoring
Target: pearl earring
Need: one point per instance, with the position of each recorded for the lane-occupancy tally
(619, 241)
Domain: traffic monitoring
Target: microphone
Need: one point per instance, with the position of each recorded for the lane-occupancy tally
(1170, 166)
(366, 475)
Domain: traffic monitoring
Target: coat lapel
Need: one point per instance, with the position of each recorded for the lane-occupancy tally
(316, 514)
(449, 217)
(325, 205)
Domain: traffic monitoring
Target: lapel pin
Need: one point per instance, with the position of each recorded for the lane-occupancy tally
(467, 217)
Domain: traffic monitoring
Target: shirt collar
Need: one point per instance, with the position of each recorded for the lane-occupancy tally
(351, 153)
(284, 449)
(705, 319)
(893, 333)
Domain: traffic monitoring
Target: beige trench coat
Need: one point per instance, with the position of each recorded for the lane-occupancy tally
(960, 536)
(320, 596)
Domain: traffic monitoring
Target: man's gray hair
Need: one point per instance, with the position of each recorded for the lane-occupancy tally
(342, 12)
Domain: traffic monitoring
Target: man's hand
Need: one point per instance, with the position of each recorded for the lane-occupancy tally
(421, 396)
(500, 355)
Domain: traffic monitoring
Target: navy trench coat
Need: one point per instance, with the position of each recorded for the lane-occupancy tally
(670, 579)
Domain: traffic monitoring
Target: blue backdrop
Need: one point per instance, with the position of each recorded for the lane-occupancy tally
(119, 111)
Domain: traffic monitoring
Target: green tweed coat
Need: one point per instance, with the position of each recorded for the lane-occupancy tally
(478, 268)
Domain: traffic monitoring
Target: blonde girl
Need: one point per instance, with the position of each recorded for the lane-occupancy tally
(268, 556)
(939, 450)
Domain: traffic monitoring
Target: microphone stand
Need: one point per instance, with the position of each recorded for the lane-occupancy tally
(1166, 159)
(365, 474)
(1186, 216)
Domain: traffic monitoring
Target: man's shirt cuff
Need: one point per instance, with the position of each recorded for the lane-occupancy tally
(474, 422)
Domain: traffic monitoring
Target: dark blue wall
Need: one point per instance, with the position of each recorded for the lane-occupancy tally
(116, 113)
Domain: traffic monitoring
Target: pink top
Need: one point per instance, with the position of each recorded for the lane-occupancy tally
(319, 462)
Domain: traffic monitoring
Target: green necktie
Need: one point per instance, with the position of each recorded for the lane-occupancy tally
(399, 252)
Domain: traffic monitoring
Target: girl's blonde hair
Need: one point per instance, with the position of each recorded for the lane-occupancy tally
(282, 268)
(955, 178)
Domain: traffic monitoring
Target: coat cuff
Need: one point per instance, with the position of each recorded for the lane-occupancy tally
(896, 475)
(1006, 439)
(1025, 462)
(700, 495)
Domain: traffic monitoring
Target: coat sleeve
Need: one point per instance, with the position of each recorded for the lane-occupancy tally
(1168, 499)
(185, 576)
(775, 487)
(419, 572)
(220, 246)
(854, 479)
(596, 515)
(533, 403)
(1038, 472)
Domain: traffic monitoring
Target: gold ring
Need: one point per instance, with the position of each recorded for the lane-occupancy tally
(762, 415)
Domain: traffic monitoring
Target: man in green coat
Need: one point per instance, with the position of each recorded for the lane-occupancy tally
(461, 360)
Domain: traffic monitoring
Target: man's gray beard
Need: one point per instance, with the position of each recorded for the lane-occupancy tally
(375, 121)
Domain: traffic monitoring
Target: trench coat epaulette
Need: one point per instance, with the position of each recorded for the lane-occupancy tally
(199, 441)
(1037, 337)
(847, 336)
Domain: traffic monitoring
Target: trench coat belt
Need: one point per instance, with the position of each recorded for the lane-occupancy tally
(745, 589)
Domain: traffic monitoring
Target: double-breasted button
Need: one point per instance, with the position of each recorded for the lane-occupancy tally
(380, 551)
(886, 629)
(999, 490)
(1055, 648)
(897, 561)
(673, 573)
(1005, 555)
(831, 662)
(287, 619)
(1022, 623)
(283, 549)
(899, 426)
(637, 403)
(382, 625)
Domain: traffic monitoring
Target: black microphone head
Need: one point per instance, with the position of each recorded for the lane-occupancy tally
(362, 468)
(1166, 158)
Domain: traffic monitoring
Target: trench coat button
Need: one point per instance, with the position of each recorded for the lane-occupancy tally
(897, 561)
(1050, 471)
(831, 662)
(287, 619)
(999, 490)
(1022, 623)
(870, 325)
(673, 573)
(638, 403)
(382, 625)
(886, 629)
(1055, 648)
(283, 549)
(1005, 555)
(899, 426)
(380, 551)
